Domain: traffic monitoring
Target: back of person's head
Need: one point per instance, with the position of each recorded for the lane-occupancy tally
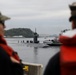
(73, 11)
(73, 14)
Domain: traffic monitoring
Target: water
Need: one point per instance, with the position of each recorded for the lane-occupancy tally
(32, 54)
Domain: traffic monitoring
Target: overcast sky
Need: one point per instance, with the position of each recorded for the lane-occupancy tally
(47, 16)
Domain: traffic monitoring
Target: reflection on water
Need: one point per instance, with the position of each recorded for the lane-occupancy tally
(35, 54)
(32, 54)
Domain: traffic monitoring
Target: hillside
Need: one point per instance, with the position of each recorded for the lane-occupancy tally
(24, 32)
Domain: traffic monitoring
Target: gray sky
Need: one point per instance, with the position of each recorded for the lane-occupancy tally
(47, 16)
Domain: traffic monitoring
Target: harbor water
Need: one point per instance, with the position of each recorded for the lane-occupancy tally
(32, 54)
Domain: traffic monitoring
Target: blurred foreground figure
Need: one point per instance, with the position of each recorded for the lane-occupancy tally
(10, 63)
(64, 62)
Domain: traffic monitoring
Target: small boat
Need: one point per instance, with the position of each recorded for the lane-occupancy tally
(52, 42)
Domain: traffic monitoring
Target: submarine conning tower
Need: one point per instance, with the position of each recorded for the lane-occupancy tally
(35, 37)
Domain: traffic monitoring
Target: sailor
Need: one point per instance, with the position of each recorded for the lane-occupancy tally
(68, 49)
(10, 63)
(64, 62)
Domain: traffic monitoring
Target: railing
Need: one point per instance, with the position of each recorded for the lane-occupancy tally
(32, 69)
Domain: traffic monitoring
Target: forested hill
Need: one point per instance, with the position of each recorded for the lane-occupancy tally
(25, 32)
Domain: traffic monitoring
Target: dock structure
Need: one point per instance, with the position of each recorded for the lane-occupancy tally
(32, 68)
